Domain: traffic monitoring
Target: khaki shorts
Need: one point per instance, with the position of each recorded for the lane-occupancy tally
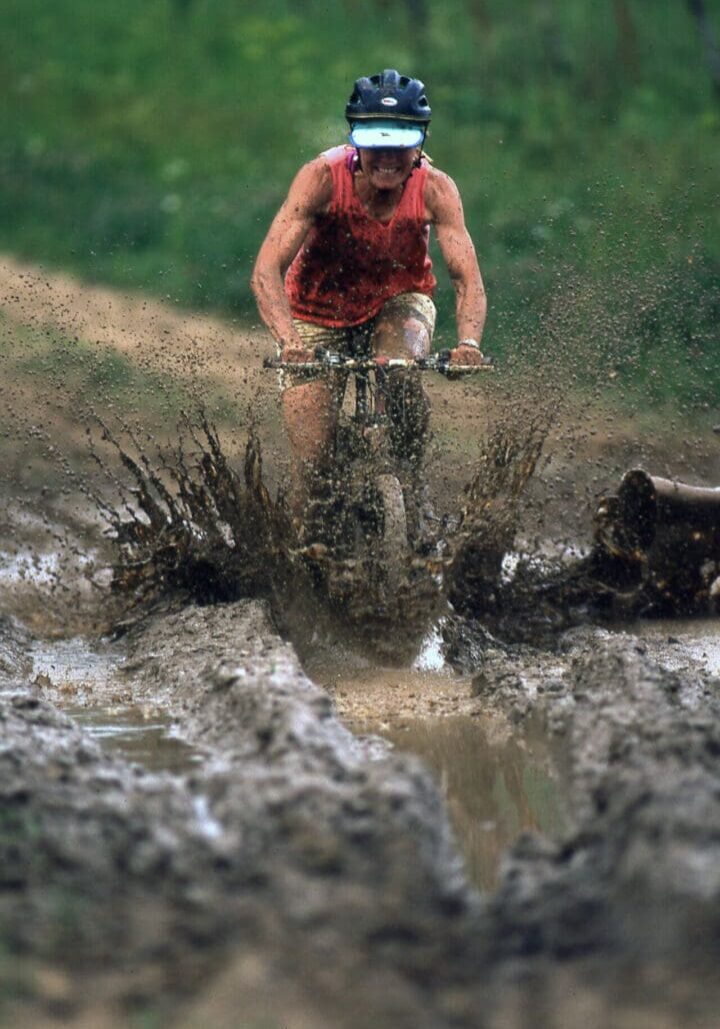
(356, 340)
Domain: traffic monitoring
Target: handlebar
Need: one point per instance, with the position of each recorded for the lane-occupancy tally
(326, 361)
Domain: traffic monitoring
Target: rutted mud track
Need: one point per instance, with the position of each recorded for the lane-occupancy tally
(318, 871)
(304, 877)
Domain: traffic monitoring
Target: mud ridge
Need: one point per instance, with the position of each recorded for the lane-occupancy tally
(291, 842)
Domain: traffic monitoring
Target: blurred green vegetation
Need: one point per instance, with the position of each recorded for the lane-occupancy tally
(149, 143)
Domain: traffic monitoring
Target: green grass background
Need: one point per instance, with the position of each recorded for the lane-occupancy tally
(147, 143)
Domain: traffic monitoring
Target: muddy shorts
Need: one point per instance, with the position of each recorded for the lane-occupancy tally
(356, 340)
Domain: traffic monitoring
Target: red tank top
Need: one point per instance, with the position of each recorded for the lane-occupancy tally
(350, 264)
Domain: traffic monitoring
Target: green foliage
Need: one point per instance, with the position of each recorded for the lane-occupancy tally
(149, 143)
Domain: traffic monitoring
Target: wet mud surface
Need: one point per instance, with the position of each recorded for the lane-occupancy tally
(313, 874)
(204, 825)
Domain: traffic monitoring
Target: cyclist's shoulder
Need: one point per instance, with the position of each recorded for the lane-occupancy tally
(313, 184)
(438, 184)
(441, 193)
(320, 168)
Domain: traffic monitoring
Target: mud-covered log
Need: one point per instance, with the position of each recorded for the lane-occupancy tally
(661, 536)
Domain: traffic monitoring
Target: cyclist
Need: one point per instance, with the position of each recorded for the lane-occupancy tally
(345, 266)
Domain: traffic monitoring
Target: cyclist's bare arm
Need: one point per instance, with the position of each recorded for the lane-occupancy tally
(308, 197)
(445, 212)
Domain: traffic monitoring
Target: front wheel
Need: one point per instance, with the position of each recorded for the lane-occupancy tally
(393, 520)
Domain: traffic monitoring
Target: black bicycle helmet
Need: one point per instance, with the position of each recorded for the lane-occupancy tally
(388, 95)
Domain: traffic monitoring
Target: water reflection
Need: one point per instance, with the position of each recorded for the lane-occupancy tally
(129, 733)
(495, 789)
(83, 678)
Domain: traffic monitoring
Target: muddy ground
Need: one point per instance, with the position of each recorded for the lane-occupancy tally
(298, 870)
(310, 877)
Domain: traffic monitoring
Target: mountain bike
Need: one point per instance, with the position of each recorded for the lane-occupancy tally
(370, 506)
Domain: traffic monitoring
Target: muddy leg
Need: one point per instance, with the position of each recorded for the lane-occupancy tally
(406, 403)
(408, 409)
(310, 413)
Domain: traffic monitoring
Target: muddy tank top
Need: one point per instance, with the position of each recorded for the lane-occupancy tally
(350, 264)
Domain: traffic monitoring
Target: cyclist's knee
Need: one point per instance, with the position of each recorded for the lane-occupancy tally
(407, 337)
(416, 338)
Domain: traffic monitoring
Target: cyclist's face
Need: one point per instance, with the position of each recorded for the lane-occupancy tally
(387, 167)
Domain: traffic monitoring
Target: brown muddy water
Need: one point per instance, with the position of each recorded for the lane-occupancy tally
(498, 780)
(136, 735)
(496, 786)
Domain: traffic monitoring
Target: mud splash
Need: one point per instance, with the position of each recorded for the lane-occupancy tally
(490, 516)
(189, 527)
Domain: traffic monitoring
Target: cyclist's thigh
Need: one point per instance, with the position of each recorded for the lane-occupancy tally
(405, 326)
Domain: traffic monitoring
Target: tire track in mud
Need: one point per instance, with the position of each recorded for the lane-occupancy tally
(324, 871)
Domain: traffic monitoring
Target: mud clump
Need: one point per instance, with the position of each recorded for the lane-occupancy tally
(640, 874)
(660, 540)
(14, 645)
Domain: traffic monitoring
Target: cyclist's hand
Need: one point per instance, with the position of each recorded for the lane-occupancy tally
(296, 353)
(464, 354)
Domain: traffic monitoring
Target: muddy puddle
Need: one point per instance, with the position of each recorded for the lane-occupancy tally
(496, 785)
(497, 780)
(86, 681)
(136, 735)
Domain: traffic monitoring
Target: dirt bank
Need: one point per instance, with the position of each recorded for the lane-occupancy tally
(290, 846)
